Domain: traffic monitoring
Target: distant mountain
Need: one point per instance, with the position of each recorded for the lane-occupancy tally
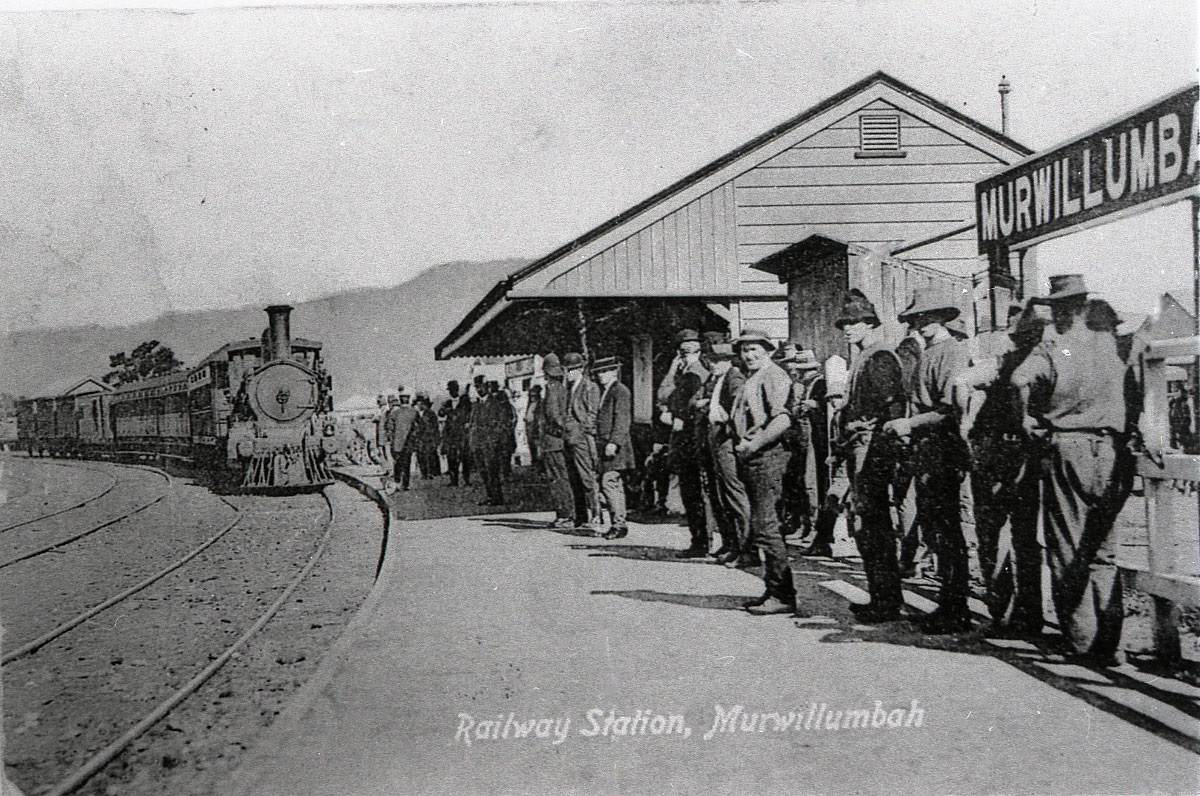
(374, 338)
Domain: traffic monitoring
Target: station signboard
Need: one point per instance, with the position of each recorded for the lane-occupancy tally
(1147, 158)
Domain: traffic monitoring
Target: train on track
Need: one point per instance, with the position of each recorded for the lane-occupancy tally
(250, 414)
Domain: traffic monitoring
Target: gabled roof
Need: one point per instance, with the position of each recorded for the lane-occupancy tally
(504, 286)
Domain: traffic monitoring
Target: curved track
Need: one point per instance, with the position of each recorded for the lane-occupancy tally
(120, 630)
(112, 485)
(102, 758)
(92, 529)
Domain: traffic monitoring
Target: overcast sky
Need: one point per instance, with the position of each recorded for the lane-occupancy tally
(156, 160)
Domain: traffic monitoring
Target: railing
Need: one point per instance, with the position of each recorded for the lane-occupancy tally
(1170, 469)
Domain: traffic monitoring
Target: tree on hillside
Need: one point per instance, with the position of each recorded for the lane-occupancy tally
(146, 361)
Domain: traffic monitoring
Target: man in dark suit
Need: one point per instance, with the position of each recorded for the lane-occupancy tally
(579, 440)
(551, 426)
(613, 442)
(457, 412)
(726, 492)
(683, 381)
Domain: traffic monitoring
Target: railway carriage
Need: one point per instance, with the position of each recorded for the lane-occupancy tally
(250, 410)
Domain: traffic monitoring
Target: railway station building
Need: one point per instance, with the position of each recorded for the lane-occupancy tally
(871, 188)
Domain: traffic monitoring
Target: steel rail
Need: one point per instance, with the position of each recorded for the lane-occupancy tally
(46, 638)
(93, 529)
(106, 755)
(78, 505)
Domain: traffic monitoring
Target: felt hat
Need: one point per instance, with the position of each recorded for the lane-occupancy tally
(1064, 286)
(710, 339)
(751, 335)
(722, 352)
(605, 364)
(572, 360)
(857, 308)
(785, 353)
(551, 366)
(686, 336)
(930, 304)
(806, 359)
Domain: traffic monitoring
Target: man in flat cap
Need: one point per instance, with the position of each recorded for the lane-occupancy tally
(939, 454)
(551, 425)
(613, 442)
(579, 440)
(875, 395)
(760, 420)
(683, 381)
(1080, 379)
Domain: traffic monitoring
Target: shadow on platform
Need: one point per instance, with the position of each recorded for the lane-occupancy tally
(720, 602)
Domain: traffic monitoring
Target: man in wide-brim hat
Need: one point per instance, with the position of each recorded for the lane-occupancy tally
(939, 456)
(761, 417)
(795, 505)
(875, 394)
(726, 492)
(1081, 379)
(552, 411)
(613, 442)
(579, 440)
(685, 378)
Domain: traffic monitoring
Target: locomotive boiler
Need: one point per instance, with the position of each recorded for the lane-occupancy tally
(249, 413)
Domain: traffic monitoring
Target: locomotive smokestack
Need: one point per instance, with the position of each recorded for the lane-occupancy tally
(281, 331)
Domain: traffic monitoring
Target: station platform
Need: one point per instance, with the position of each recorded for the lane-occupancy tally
(495, 656)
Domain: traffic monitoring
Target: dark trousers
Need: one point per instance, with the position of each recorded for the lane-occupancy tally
(1083, 490)
(820, 449)
(581, 466)
(554, 465)
(402, 465)
(493, 471)
(429, 461)
(458, 462)
(728, 491)
(762, 475)
(940, 509)
(1006, 489)
(871, 467)
(691, 492)
(795, 506)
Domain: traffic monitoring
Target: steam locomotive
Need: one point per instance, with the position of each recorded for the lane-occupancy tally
(249, 413)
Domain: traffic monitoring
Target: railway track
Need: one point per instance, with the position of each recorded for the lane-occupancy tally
(80, 504)
(94, 764)
(258, 543)
(91, 529)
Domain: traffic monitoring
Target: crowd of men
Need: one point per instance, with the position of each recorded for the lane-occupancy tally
(475, 433)
(1040, 434)
(1044, 429)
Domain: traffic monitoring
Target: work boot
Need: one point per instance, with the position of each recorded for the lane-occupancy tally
(870, 614)
(695, 551)
(757, 601)
(772, 605)
(817, 550)
(944, 623)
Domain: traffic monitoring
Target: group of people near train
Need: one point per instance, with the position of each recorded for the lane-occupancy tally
(475, 433)
(1041, 435)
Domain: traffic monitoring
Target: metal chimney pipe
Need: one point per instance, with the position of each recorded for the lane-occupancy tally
(1005, 87)
(281, 331)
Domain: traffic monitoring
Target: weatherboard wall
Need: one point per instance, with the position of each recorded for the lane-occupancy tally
(823, 183)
